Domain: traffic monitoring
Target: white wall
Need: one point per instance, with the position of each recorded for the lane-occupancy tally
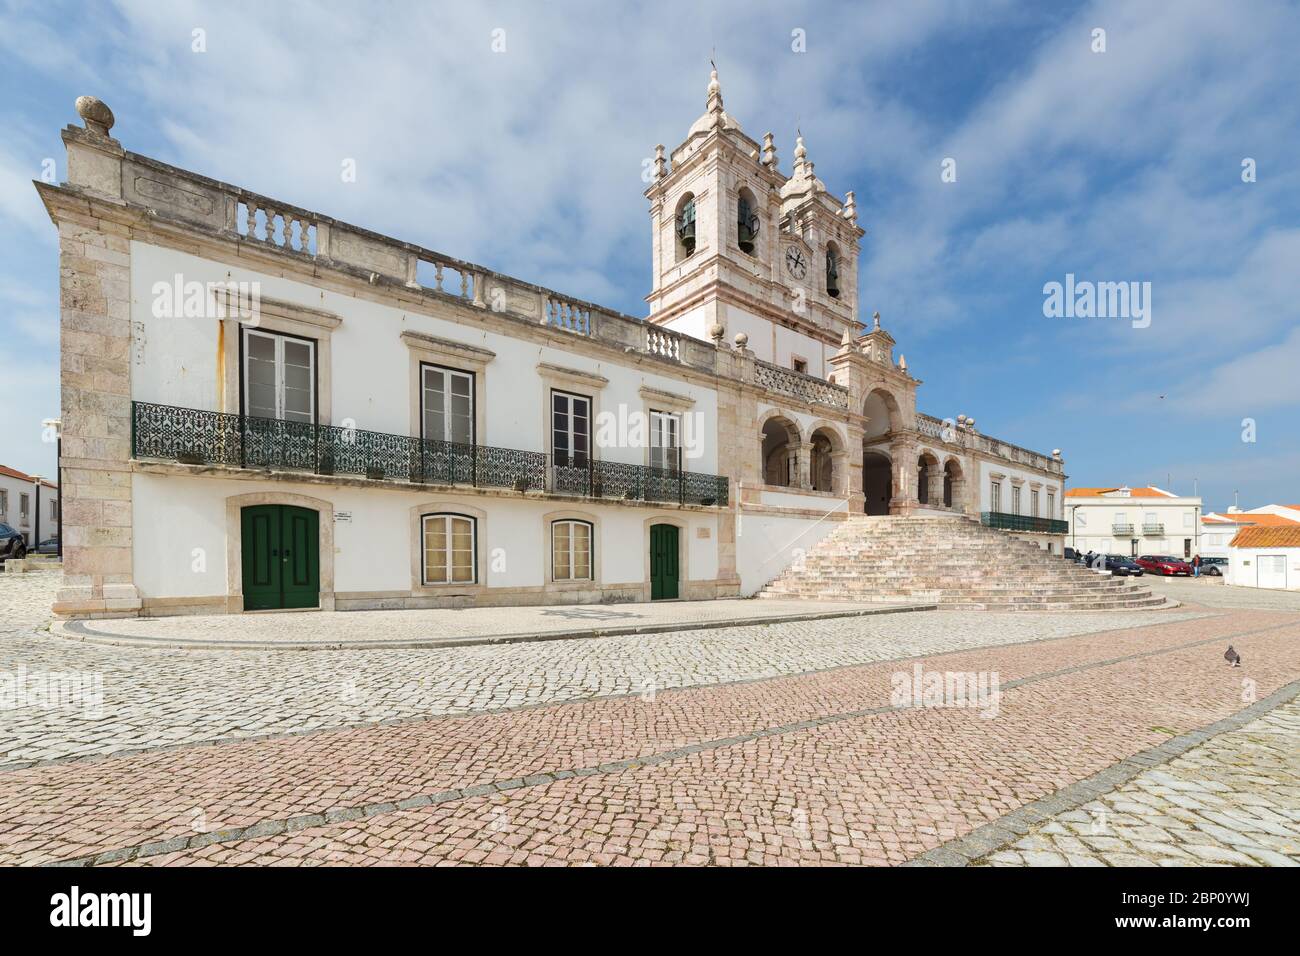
(1243, 566)
(1096, 530)
(766, 545)
(14, 489)
(180, 536)
(176, 361)
(1046, 485)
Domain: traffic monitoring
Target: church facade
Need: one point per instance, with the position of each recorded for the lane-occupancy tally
(265, 407)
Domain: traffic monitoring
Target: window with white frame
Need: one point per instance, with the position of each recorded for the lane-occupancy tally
(1015, 500)
(1033, 503)
(24, 506)
(995, 496)
(1051, 505)
(279, 376)
(665, 439)
(571, 550)
(54, 509)
(570, 429)
(450, 549)
(447, 404)
(4, 503)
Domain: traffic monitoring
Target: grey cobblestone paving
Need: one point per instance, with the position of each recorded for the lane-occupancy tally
(1231, 801)
(154, 698)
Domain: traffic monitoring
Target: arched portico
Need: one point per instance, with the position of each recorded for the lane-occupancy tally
(929, 478)
(954, 485)
(779, 444)
(877, 481)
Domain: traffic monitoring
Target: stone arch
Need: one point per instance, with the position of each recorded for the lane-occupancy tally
(827, 456)
(235, 542)
(834, 267)
(929, 477)
(954, 484)
(749, 221)
(883, 412)
(877, 481)
(780, 440)
(684, 227)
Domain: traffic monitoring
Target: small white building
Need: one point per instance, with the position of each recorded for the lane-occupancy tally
(1133, 521)
(20, 510)
(1266, 556)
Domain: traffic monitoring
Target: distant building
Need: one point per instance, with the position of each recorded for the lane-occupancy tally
(18, 507)
(1133, 521)
(1262, 545)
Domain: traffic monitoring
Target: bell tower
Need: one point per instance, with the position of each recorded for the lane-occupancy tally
(738, 244)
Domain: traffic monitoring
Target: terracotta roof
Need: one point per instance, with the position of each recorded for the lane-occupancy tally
(1207, 519)
(1133, 492)
(1266, 519)
(1279, 536)
(22, 476)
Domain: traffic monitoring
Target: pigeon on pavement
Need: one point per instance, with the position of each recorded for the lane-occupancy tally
(1232, 657)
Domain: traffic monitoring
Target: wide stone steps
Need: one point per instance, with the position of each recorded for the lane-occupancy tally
(953, 562)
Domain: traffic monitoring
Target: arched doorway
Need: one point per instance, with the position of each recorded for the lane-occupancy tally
(952, 484)
(927, 468)
(780, 453)
(826, 459)
(877, 482)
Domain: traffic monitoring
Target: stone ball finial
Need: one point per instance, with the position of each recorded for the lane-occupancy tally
(95, 113)
(714, 85)
(1056, 453)
(970, 422)
(741, 340)
(961, 419)
(716, 331)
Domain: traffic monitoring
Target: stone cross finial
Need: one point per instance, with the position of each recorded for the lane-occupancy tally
(95, 113)
(714, 102)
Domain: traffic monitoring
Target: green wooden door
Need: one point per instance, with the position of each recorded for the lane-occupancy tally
(663, 561)
(281, 557)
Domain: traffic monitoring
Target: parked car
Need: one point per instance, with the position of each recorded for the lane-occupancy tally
(1215, 567)
(1122, 566)
(48, 546)
(1164, 564)
(12, 543)
(1071, 555)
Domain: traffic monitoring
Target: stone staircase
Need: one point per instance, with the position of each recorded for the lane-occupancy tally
(954, 562)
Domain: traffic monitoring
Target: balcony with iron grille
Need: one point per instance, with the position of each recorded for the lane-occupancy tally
(191, 436)
(1121, 527)
(1155, 528)
(1011, 522)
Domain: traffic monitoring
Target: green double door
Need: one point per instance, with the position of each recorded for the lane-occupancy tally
(663, 561)
(281, 548)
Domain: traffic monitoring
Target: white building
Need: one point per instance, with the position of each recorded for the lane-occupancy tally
(1133, 521)
(20, 509)
(1266, 556)
(265, 407)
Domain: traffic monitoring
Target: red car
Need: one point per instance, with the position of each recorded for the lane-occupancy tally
(1164, 564)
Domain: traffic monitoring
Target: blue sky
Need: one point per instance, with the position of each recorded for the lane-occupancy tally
(1123, 165)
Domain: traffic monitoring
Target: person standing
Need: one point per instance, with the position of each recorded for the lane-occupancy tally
(1196, 566)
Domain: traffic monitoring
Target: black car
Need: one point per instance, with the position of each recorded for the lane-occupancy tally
(12, 543)
(1121, 566)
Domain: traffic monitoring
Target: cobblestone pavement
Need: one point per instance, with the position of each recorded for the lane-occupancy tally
(1210, 593)
(439, 626)
(780, 744)
(1234, 800)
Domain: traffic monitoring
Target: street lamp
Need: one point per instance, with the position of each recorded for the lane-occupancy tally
(36, 532)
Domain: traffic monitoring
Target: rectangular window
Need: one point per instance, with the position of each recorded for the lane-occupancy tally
(570, 551)
(24, 506)
(1015, 500)
(1033, 503)
(54, 509)
(570, 429)
(665, 431)
(1187, 519)
(447, 404)
(801, 366)
(995, 497)
(4, 503)
(449, 549)
(279, 376)
(1187, 547)
(1051, 505)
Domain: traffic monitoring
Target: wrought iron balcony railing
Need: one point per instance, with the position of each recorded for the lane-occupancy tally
(197, 437)
(1153, 527)
(1121, 527)
(1009, 522)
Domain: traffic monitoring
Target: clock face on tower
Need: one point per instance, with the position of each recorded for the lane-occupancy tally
(795, 264)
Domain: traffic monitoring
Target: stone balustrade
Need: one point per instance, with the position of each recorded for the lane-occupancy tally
(807, 388)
